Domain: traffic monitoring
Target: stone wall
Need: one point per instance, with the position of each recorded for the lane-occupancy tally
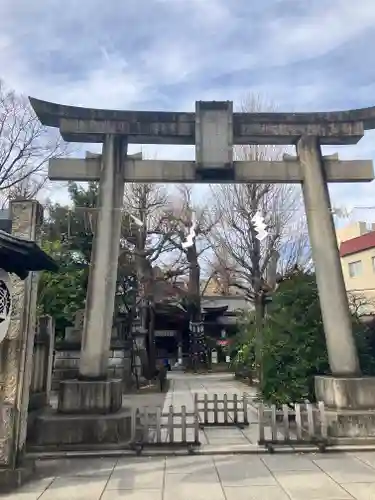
(66, 361)
(16, 350)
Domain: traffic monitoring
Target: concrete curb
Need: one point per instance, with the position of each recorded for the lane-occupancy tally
(206, 450)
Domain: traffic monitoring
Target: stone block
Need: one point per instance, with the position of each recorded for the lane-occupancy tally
(67, 354)
(355, 393)
(59, 431)
(11, 479)
(115, 362)
(37, 400)
(65, 374)
(66, 363)
(79, 319)
(83, 396)
(351, 424)
(118, 354)
(72, 334)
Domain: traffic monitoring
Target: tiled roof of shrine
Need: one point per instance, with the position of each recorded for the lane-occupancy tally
(20, 256)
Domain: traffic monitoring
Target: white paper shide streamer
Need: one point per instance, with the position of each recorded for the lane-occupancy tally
(192, 234)
(259, 226)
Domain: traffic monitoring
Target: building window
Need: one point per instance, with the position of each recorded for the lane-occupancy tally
(355, 268)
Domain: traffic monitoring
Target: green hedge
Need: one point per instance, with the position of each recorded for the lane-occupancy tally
(294, 347)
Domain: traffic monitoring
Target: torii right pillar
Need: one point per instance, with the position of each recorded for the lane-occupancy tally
(345, 389)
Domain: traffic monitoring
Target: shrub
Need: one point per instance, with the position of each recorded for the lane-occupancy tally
(242, 349)
(294, 347)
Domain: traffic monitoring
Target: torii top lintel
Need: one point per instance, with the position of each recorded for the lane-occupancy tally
(78, 124)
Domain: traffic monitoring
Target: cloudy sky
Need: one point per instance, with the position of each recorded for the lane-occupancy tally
(303, 55)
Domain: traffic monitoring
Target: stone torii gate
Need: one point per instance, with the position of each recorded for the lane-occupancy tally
(214, 129)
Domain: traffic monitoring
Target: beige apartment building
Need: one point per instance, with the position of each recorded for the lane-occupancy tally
(357, 253)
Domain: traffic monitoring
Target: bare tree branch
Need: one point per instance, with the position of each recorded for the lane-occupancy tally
(25, 147)
(235, 240)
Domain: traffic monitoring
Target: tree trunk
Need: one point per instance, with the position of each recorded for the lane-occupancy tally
(259, 324)
(151, 339)
(143, 301)
(198, 351)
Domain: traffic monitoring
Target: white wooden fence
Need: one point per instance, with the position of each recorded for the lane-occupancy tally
(223, 411)
(304, 424)
(152, 427)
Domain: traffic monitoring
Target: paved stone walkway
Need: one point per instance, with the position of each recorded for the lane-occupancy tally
(331, 476)
(240, 477)
(181, 392)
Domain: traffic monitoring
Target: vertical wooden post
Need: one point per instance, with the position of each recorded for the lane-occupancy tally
(235, 408)
(273, 423)
(133, 423)
(158, 424)
(297, 408)
(286, 422)
(225, 409)
(205, 410)
(261, 423)
(170, 424)
(245, 412)
(310, 420)
(216, 409)
(183, 424)
(196, 427)
(323, 420)
(145, 425)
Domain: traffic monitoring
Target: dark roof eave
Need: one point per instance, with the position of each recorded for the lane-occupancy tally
(21, 256)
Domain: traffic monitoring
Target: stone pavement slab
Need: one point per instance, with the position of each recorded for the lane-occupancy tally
(277, 463)
(255, 493)
(132, 495)
(367, 457)
(245, 470)
(346, 469)
(190, 464)
(310, 485)
(361, 491)
(137, 473)
(203, 491)
(87, 467)
(75, 488)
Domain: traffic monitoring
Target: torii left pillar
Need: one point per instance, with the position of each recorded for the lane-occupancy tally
(93, 392)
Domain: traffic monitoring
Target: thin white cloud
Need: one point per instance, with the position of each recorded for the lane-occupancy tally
(199, 39)
(116, 54)
(110, 84)
(320, 31)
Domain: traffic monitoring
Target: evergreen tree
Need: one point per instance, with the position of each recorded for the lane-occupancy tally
(294, 347)
(68, 237)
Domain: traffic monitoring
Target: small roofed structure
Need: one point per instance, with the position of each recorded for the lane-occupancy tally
(20, 256)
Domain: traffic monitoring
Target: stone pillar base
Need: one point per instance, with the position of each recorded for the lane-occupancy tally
(82, 396)
(350, 407)
(352, 426)
(14, 478)
(356, 393)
